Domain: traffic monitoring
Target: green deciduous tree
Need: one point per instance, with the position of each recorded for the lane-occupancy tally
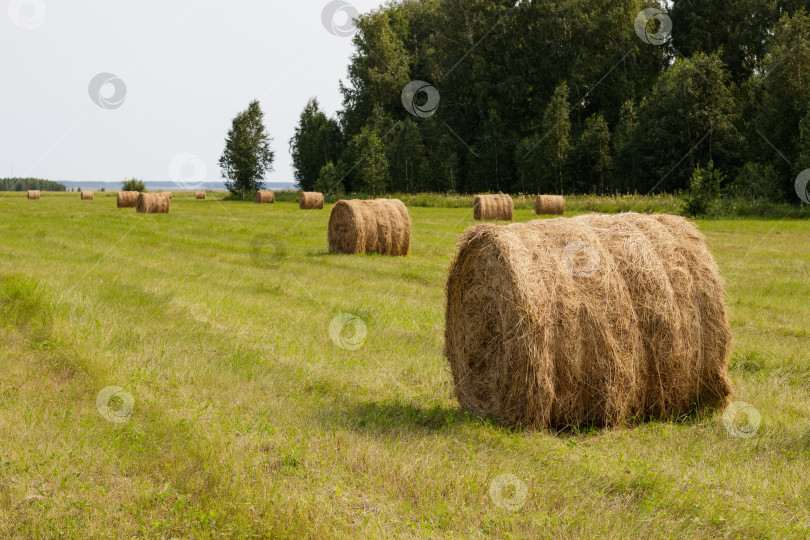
(594, 154)
(247, 157)
(316, 142)
(555, 143)
(133, 184)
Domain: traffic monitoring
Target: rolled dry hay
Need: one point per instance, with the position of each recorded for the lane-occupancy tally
(595, 319)
(553, 205)
(264, 197)
(127, 199)
(87, 195)
(201, 195)
(493, 207)
(310, 200)
(153, 203)
(381, 225)
(33, 194)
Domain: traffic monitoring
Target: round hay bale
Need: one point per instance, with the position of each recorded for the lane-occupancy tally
(381, 225)
(153, 203)
(596, 319)
(87, 195)
(493, 208)
(201, 195)
(553, 205)
(310, 200)
(127, 199)
(264, 197)
(169, 194)
(34, 194)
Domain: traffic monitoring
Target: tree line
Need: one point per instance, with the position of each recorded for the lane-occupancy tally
(24, 184)
(567, 96)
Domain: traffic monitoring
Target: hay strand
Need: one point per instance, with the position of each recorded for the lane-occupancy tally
(553, 205)
(381, 225)
(127, 199)
(153, 203)
(263, 197)
(493, 208)
(34, 194)
(310, 200)
(596, 319)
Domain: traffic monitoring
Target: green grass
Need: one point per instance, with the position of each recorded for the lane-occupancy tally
(249, 421)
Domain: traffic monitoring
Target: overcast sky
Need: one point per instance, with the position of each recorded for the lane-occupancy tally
(184, 68)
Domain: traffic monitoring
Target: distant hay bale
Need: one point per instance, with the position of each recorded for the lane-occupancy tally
(87, 195)
(595, 319)
(381, 225)
(153, 203)
(493, 208)
(310, 201)
(201, 195)
(34, 194)
(553, 205)
(127, 199)
(264, 197)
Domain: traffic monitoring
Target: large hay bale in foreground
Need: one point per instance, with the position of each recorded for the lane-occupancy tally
(87, 195)
(264, 197)
(493, 207)
(596, 319)
(310, 200)
(381, 225)
(201, 195)
(553, 205)
(127, 199)
(153, 203)
(34, 194)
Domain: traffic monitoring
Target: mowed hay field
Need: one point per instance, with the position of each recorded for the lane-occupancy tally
(248, 419)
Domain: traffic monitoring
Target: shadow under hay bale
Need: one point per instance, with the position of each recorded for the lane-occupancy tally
(263, 197)
(310, 200)
(381, 225)
(596, 319)
(127, 199)
(493, 208)
(201, 195)
(153, 203)
(34, 194)
(87, 195)
(553, 205)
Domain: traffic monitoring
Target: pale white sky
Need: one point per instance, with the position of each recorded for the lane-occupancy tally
(188, 67)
